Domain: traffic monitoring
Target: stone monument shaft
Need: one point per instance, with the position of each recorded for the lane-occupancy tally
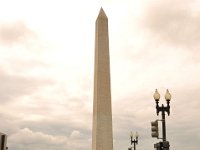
(102, 137)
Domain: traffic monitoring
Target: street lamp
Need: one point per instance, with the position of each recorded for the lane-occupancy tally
(163, 109)
(134, 141)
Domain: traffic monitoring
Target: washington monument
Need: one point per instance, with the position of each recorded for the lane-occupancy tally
(102, 137)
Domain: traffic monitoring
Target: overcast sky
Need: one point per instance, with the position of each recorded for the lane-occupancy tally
(47, 69)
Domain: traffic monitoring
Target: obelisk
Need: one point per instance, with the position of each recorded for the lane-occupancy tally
(102, 137)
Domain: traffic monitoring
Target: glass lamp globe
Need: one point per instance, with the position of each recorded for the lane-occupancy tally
(156, 95)
(131, 134)
(136, 135)
(168, 95)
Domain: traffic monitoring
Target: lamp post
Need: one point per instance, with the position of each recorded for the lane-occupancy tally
(163, 109)
(134, 141)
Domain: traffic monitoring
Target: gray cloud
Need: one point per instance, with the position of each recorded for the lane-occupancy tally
(23, 65)
(176, 22)
(13, 86)
(55, 126)
(11, 33)
(61, 127)
(26, 139)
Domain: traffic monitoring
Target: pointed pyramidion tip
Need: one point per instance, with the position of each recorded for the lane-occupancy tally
(102, 13)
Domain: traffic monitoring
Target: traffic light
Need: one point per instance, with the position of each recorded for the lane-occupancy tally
(162, 145)
(157, 146)
(166, 145)
(154, 129)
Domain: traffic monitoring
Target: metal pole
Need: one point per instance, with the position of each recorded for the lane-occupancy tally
(163, 124)
(134, 146)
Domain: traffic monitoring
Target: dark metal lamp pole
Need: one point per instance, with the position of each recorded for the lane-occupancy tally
(163, 109)
(134, 141)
